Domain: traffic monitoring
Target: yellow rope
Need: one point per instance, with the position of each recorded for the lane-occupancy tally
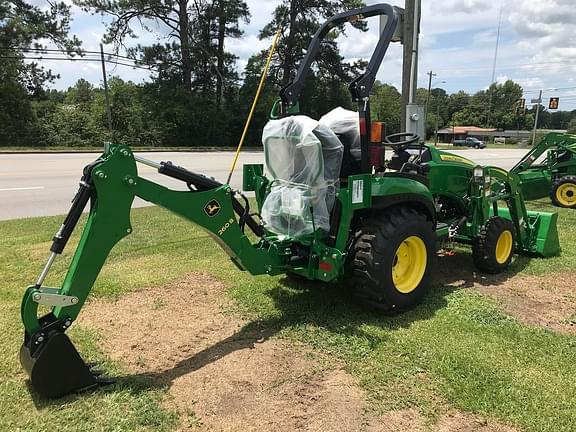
(256, 97)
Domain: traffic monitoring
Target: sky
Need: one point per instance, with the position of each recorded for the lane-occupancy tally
(537, 46)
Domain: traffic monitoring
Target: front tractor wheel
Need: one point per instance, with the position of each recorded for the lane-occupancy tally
(493, 249)
(392, 259)
(564, 192)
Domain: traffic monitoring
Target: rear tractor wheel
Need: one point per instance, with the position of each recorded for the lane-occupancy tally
(564, 192)
(493, 249)
(392, 259)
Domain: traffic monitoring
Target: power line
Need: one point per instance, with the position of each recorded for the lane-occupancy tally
(554, 89)
(52, 50)
(135, 66)
(510, 66)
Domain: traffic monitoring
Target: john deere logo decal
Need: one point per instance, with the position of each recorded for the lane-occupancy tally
(212, 208)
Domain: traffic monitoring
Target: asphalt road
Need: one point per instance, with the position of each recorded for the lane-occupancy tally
(43, 184)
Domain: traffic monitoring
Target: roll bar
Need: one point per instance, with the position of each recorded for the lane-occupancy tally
(361, 86)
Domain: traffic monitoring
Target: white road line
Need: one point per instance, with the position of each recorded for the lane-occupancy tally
(22, 188)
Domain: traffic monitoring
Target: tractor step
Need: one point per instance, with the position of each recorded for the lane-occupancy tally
(56, 368)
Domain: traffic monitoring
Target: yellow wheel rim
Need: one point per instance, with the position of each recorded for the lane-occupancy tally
(409, 264)
(566, 194)
(504, 247)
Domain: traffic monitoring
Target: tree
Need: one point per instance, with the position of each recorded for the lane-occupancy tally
(23, 26)
(299, 20)
(173, 16)
(504, 102)
(81, 94)
(228, 13)
(572, 126)
(386, 106)
(196, 31)
(457, 102)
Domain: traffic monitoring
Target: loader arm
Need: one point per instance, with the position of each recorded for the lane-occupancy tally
(550, 141)
(110, 184)
(536, 231)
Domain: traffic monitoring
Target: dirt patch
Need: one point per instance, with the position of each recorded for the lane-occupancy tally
(548, 301)
(452, 421)
(463, 422)
(225, 374)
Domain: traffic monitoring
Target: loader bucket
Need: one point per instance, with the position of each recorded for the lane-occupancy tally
(55, 368)
(543, 237)
(546, 238)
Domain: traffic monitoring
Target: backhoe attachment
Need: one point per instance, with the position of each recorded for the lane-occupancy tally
(110, 184)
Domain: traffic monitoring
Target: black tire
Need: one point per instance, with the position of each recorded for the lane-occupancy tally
(563, 193)
(374, 258)
(489, 255)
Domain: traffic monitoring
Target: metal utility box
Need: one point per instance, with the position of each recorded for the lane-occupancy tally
(415, 121)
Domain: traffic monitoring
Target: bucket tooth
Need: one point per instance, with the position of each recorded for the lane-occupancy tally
(56, 368)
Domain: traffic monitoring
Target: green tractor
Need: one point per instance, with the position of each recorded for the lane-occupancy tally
(555, 176)
(331, 207)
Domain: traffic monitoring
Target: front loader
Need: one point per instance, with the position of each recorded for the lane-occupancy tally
(555, 176)
(331, 206)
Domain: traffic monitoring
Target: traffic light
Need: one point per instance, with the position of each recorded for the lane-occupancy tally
(522, 104)
(553, 105)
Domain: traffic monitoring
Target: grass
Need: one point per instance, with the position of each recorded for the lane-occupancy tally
(455, 350)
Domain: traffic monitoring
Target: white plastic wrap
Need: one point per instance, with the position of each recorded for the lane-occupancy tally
(344, 122)
(346, 125)
(303, 159)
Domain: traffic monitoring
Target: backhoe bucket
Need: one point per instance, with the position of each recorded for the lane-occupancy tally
(55, 368)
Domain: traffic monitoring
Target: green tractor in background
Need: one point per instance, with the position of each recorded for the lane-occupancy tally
(555, 176)
(332, 206)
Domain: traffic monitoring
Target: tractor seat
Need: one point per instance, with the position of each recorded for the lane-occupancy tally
(418, 166)
(346, 125)
(425, 157)
(351, 160)
(398, 160)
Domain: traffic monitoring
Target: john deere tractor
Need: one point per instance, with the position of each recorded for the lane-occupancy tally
(555, 175)
(335, 202)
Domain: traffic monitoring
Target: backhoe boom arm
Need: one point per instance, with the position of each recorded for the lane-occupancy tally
(110, 184)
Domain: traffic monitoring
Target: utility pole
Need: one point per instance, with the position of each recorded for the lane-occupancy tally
(106, 96)
(490, 89)
(437, 117)
(430, 75)
(410, 56)
(539, 102)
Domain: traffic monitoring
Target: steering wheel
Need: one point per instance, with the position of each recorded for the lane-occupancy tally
(394, 140)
